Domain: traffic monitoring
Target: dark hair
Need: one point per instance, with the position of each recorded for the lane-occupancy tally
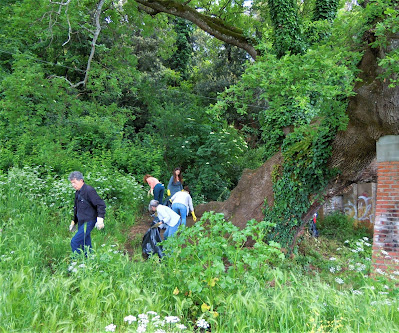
(186, 188)
(175, 180)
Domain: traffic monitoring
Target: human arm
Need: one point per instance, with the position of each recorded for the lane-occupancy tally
(100, 207)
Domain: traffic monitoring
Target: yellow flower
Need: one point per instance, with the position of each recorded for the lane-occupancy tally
(205, 307)
(176, 291)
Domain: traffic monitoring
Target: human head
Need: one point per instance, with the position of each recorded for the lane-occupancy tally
(145, 177)
(177, 173)
(186, 188)
(153, 206)
(76, 179)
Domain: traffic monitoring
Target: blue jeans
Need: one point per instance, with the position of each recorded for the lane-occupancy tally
(82, 238)
(159, 189)
(180, 209)
(170, 230)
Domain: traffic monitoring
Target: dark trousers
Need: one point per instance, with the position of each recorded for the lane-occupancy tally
(82, 238)
(159, 190)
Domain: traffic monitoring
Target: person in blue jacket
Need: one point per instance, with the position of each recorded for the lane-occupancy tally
(89, 212)
(175, 182)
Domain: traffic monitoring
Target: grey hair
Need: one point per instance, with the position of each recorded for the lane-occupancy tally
(75, 175)
(153, 203)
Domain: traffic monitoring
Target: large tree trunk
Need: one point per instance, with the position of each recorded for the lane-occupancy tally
(373, 112)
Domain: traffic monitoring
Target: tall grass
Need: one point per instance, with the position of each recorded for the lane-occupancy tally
(207, 274)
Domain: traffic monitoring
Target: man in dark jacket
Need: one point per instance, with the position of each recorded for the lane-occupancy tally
(89, 212)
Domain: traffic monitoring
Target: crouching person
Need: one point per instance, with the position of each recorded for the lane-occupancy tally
(167, 216)
(89, 212)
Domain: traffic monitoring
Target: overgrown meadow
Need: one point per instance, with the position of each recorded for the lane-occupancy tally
(214, 277)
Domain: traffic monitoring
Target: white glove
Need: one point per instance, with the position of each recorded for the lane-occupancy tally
(100, 223)
(72, 226)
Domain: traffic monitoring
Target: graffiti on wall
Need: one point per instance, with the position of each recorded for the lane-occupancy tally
(361, 210)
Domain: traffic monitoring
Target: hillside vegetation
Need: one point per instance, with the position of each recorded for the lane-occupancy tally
(208, 280)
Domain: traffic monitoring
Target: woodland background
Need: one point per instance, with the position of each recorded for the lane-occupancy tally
(118, 89)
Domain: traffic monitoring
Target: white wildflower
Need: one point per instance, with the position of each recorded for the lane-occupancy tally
(339, 280)
(110, 328)
(141, 329)
(202, 323)
(130, 319)
(172, 319)
(333, 258)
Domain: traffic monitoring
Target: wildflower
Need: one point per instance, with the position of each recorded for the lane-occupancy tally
(110, 328)
(143, 316)
(396, 272)
(143, 321)
(160, 331)
(383, 293)
(339, 280)
(357, 292)
(386, 287)
(384, 252)
(332, 269)
(141, 329)
(172, 319)
(365, 238)
(82, 266)
(346, 242)
(181, 326)
(130, 319)
(202, 323)
(333, 258)
(338, 249)
(380, 271)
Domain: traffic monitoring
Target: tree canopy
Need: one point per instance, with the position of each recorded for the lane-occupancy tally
(140, 86)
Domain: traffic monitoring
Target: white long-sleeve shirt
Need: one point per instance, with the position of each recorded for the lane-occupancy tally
(184, 198)
(167, 215)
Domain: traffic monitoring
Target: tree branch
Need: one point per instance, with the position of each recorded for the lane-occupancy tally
(93, 42)
(212, 25)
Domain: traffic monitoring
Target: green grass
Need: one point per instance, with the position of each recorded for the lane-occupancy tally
(325, 288)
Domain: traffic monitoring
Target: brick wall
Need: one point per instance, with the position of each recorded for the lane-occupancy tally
(386, 227)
